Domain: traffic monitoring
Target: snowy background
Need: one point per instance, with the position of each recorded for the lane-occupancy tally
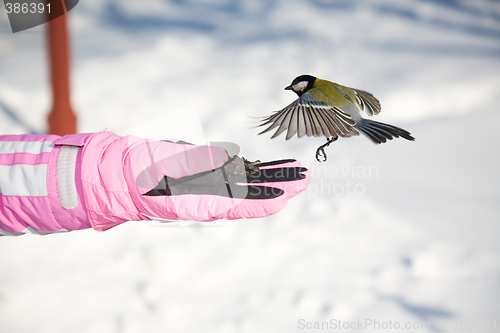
(404, 232)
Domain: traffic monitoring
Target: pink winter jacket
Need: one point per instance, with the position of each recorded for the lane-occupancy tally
(54, 184)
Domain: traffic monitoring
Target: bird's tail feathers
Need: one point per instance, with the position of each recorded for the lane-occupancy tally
(380, 132)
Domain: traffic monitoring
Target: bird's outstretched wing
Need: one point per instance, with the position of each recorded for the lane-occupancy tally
(367, 102)
(308, 116)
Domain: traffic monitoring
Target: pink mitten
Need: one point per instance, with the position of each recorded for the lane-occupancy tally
(179, 181)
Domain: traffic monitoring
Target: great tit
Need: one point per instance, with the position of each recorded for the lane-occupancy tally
(331, 110)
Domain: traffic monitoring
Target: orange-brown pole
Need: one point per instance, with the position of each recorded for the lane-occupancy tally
(62, 119)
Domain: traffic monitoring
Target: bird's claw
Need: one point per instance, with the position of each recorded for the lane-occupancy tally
(320, 152)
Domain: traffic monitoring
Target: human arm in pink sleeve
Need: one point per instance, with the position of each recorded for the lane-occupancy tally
(101, 180)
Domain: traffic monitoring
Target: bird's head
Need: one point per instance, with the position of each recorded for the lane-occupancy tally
(301, 84)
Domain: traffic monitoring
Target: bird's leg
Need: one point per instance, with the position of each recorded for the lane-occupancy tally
(320, 152)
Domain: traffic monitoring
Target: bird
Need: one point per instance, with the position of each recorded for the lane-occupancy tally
(328, 109)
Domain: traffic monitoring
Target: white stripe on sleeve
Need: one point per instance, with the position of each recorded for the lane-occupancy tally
(30, 230)
(31, 147)
(23, 179)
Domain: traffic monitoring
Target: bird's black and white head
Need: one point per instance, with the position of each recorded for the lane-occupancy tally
(301, 84)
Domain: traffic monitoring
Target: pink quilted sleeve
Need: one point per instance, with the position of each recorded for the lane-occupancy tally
(30, 184)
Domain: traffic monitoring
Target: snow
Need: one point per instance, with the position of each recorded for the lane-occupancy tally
(405, 232)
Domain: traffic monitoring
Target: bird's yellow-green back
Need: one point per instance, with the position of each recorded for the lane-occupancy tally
(333, 93)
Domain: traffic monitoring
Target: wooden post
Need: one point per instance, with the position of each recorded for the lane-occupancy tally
(62, 119)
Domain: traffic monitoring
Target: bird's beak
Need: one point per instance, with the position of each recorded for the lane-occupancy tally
(289, 87)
